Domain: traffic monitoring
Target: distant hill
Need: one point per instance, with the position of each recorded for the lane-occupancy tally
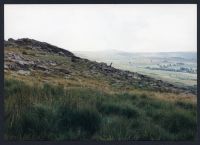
(131, 55)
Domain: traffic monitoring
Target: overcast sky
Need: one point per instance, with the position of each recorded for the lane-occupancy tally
(134, 28)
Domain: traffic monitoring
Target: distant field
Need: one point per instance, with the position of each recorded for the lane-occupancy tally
(137, 62)
(178, 78)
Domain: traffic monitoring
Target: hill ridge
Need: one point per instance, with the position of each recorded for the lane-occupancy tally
(34, 44)
(29, 55)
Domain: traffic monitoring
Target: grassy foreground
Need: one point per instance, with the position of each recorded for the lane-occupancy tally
(52, 112)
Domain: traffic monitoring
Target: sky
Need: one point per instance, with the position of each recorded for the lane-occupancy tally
(122, 27)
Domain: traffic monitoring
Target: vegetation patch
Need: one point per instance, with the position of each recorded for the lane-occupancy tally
(52, 112)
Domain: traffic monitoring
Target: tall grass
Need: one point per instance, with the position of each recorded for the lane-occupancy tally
(50, 112)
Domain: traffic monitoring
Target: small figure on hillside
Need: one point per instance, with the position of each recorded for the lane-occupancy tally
(110, 64)
(73, 59)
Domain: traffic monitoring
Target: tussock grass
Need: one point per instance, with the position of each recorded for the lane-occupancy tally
(119, 109)
(54, 112)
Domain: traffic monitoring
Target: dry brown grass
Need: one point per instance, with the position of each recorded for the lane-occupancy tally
(176, 97)
(101, 85)
(167, 96)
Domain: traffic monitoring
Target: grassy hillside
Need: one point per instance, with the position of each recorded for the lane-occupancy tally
(48, 112)
(50, 94)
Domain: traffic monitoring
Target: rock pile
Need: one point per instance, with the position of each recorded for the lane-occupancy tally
(33, 44)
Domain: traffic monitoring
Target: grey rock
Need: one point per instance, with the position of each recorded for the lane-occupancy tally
(47, 72)
(130, 75)
(67, 76)
(53, 63)
(11, 40)
(16, 57)
(25, 65)
(22, 72)
(61, 53)
(12, 66)
(61, 70)
(41, 67)
(6, 66)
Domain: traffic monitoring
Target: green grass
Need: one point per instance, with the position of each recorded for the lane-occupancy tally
(50, 112)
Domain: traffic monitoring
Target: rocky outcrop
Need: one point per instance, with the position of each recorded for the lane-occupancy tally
(22, 72)
(23, 64)
(37, 45)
